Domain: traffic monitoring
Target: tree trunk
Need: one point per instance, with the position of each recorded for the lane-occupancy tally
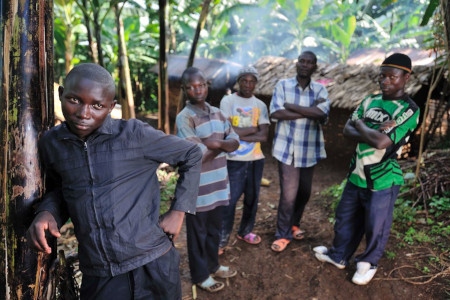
(200, 26)
(190, 62)
(445, 16)
(92, 47)
(26, 106)
(125, 90)
(163, 86)
(98, 35)
(68, 53)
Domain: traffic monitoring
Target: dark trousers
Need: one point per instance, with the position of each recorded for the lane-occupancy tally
(203, 231)
(159, 279)
(295, 190)
(363, 212)
(245, 178)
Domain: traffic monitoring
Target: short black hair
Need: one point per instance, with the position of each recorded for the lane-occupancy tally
(188, 73)
(93, 72)
(310, 53)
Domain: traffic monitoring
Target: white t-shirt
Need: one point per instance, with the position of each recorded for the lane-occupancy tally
(245, 112)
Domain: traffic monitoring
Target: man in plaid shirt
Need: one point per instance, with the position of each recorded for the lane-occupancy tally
(299, 107)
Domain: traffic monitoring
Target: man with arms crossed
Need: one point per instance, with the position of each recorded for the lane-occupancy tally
(299, 106)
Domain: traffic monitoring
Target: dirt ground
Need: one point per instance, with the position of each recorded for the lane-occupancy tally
(295, 273)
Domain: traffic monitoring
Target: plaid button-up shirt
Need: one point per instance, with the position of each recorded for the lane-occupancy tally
(298, 142)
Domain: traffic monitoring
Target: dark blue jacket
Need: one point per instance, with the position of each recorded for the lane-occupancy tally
(108, 186)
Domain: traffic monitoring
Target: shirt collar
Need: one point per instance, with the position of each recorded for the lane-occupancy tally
(310, 84)
(105, 129)
(198, 110)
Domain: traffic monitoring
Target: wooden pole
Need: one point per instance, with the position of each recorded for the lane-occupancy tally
(200, 25)
(125, 90)
(163, 82)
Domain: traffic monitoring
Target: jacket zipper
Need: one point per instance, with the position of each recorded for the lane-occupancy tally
(100, 235)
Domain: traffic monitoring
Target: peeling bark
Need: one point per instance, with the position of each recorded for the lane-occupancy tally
(26, 106)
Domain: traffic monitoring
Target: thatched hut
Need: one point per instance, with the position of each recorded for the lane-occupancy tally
(347, 84)
(221, 76)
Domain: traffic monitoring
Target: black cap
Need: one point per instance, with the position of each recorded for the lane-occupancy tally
(399, 61)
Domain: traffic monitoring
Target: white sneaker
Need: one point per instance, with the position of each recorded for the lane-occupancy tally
(321, 255)
(364, 273)
(320, 249)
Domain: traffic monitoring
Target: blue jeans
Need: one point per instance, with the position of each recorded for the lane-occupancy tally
(245, 178)
(295, 190)
(363, 212)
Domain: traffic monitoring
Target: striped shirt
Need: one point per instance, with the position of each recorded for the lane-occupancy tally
(195, 124)
(298, 142)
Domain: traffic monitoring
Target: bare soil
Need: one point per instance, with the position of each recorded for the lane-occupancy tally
(295, 273)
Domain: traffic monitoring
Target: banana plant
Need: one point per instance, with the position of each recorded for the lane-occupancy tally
(68, 28)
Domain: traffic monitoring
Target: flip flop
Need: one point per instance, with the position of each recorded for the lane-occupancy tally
(211, 285)
(279, 245)
(250, 238)
(297, 233)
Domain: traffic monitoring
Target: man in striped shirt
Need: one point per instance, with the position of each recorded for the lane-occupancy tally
(205, 125)
(299, 107)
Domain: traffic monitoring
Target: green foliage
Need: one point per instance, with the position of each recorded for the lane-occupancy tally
(146, 84)
(168, 182)
(409, 228)
(334, 192)
(141, 37)
(409, 235)
(439, 204)
(237, 30)
(413, 236)
(390, 254)
(440, 229)
(406, 218)
(331, 28)
(412, 230)
(148, 105)
(429, 12)
(404, 212)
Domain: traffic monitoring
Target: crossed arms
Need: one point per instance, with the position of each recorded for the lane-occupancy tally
(360, 132)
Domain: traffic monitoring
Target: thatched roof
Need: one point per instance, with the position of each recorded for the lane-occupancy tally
(347, 84)
(220, 73)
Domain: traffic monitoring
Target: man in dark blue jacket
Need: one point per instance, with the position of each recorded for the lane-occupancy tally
(101, 173)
